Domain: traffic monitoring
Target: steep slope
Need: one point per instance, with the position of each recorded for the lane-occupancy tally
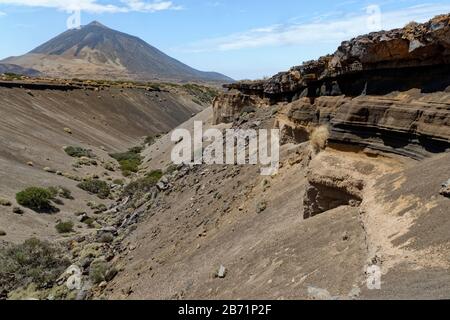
(34, 117)
(95, 51)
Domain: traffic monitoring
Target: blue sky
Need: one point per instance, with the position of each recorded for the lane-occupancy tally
(244, 39)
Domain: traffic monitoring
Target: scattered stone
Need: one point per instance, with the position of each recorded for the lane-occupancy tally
(112, 230)
(445, 190)
(222, 272)
(163, 184)
(111, 274)
(2, 233)
(84, 217)
(68, 130)
(80, 213)
(30, 164)
(49, 170)
(261, 206)
(345, 236)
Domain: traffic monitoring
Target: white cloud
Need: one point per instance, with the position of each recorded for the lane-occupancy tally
(2, 14)
(94, 6)
(318, 30)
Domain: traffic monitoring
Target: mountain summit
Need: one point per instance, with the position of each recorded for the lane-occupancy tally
(95, 51)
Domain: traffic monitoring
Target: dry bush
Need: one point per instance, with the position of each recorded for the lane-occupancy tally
(319, 138)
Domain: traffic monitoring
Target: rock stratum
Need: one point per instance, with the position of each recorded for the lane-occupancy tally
(385, 90)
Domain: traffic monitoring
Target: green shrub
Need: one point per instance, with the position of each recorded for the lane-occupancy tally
(171, 169)
(33, 261)
(37, 199)
(60, 192)
(119, 182)
(145, 184)
(53, 191)
(89, 222)
(97, 187)
(129, 161)
(131, 165)
(155, 174)
(65, 193)
(78, 152)
(99, 208)
(64, 227)
(97, 272)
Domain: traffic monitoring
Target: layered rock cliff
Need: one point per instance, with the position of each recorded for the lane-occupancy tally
(387, 90)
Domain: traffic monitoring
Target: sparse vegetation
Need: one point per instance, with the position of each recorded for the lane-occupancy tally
(60, 192)
(119, 182)
(171, 169)
(89, 222)
(145, 184)
(34, 198)
(98, 271)
(129, 161)
(5, 203)
(106, 238)
(99, 208)
(64, 227)
(202, 94)
(65, 193)
(33, 261)
(319, 138)
(78, 152)
(12, 76)
(149, 140)
(97, 187)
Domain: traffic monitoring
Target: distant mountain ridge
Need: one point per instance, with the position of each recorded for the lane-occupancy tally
(96, 51)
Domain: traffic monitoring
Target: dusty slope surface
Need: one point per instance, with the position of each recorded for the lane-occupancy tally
(407, 225)
(32, 124)
(209, 217)
(97, 52)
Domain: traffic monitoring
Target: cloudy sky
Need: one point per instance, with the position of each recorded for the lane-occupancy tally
(244, 39)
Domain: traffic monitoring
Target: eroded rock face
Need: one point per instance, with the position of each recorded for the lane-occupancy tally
(228, 106)
(386, 90)
(416, 45)
(327, 192)
(409, 124)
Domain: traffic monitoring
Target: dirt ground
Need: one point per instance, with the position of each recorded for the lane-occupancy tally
(32, 127)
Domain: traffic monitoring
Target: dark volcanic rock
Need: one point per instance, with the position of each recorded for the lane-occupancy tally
(416, 45)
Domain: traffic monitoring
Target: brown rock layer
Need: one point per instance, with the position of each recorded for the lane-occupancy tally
(386, 90)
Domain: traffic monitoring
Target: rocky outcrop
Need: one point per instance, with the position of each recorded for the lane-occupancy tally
(385, 90)
(410, 124)
(229, 106)
(415, 46)
(331, 191)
